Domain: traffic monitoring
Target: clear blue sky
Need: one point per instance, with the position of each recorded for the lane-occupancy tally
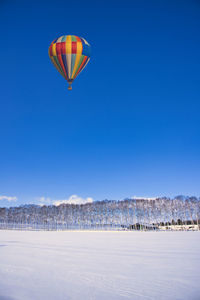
(130, 126)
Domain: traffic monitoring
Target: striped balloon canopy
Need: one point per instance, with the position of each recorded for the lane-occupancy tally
(69, 54)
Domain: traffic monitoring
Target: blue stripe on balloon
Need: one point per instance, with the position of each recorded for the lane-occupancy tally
(64, 38)
(65, 64)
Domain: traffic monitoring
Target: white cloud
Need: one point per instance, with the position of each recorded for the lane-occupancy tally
(7, 198)
(73, 199)
(44, 201)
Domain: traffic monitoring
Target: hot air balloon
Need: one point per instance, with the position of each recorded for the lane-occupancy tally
(69, 54)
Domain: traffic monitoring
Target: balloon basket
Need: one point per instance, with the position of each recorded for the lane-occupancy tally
(69, 87)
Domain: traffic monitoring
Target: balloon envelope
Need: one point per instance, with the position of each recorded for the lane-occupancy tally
(69, 54)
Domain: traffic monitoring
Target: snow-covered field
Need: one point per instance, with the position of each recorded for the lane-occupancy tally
(99, 265)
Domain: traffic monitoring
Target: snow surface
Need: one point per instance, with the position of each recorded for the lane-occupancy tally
(99, 265)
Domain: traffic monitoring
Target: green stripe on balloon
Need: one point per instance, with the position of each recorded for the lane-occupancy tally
(73, 59)
(79, 64)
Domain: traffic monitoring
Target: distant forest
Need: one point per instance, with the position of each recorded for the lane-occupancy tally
(104, 214)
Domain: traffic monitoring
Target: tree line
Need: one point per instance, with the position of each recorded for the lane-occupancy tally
(106, 214)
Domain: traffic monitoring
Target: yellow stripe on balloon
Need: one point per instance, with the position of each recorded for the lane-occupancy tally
(68, 38)
(54, 49)
(78, 56)
(68, 45)
(79, 48)
(68, 54)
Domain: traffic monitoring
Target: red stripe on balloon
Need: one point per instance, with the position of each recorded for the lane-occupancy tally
(58, 48)
(59, 56)
(50, 50)
(78, 39)
(74, 47)
(63, 48)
